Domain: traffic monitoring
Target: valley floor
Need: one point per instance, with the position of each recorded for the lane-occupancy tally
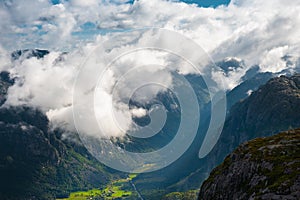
(118, 189)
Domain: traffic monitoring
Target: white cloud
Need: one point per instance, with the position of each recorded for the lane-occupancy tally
(4, 59)
(272, 59)
(41, 83)
(138, 112)
(84, 3)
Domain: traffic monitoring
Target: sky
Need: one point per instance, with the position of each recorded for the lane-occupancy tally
(208, 3)
(254, 31)
(201, 3)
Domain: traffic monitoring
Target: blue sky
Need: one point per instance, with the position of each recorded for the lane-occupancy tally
(202, 3)
(208, 3)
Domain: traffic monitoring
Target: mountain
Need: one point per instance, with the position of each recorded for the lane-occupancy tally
(250, 82)
(35, 162)
(274, 107)
(264, 168)
(29, 53)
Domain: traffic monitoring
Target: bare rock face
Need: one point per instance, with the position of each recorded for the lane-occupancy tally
(264, 168)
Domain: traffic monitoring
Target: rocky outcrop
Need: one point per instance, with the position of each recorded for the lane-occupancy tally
(265, 168)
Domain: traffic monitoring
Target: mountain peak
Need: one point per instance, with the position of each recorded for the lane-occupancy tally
(29, 53)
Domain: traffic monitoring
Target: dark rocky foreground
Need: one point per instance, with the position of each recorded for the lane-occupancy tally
(264, 168)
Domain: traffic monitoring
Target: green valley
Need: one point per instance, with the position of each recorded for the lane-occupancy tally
(118, 189)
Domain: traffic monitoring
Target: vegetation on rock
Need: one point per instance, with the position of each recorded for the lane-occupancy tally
(264, 168)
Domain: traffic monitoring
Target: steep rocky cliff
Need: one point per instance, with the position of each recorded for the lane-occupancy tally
(264, 168)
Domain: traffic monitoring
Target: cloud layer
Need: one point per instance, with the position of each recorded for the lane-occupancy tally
(258, 32)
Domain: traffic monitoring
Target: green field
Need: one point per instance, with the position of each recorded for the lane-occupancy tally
(118, 189)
